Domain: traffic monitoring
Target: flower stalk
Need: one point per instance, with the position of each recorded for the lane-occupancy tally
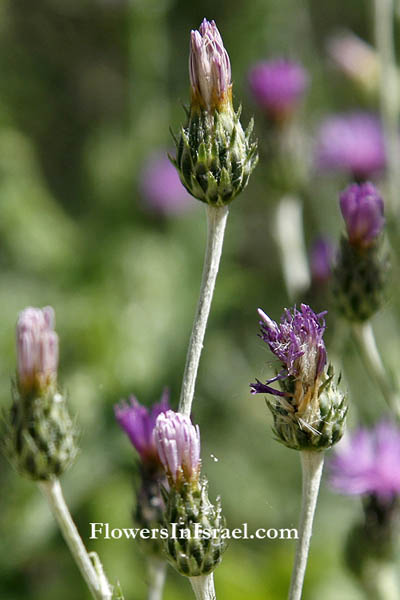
(312, 465)
(157, 570)
(216, 223)
(92, 572)
(203, 587)
(365, 339)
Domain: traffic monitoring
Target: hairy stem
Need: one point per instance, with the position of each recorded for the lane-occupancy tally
(365, 338)
(92, 572)
(216, 221)
(203, 587)
(157, 569)
(312, 464)
(389, 90)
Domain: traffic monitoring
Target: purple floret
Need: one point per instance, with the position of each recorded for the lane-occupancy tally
(362, 209)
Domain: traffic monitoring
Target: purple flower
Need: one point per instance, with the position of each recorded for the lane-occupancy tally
(37, 350)
(367, 462)
(278, 85)
(209, 68)
(351, 142)
(362, 210)
(321, 256)
(161, 187)
(138, 423)
(178, 446)
(298, 343)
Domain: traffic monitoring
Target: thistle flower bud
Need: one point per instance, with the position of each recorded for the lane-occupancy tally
(138, 423)
(362, 210)
(321, 255)
(37, 350)
(178, 446)
(40, 436)
(278, 86)
(360, 271)
(309, 411)
(215, 157)
(188, 507)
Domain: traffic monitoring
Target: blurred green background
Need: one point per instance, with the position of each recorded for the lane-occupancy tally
(88, 89)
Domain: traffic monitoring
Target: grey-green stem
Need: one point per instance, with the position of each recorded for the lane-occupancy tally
(312, 464)
(216, 223)
(203, 587)
(92, 572)
(157, 569)
(365, 338)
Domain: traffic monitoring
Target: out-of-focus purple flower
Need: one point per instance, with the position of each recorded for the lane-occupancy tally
(37, 349)
(362, 210)
(278, 85)
(178, 445)
(298, 343)
(367, 462)
(209, 67)
(321, 256)
(138, 422)
(351, 142)
(161, 187)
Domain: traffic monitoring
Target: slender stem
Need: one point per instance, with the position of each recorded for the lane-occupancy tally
(203, 587)
(365, 338)
(216, 222)
(157, 571)
(389, 91)
(93, 574)
(312, 464)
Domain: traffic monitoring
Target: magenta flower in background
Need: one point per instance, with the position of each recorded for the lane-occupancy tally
(362, 209)
(352, 143)
(209, 67)
(178, 446)
(138, 423)
(161, 187)
(321, 256)
(278, 85)
(298, 343)
(367, 462)
(37, 349)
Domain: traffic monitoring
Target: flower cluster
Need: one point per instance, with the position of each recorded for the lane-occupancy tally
(367, 462)
(362, 210)
(277, 86)
(321, 256)
(37, 349)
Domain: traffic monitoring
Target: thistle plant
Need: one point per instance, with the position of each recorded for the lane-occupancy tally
(138, 423)
(308, 410)
(366, 465)
(214, 159)
(40, 438)
(188, 505)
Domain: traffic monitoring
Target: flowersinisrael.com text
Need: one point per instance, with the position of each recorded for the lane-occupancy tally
(104, 531)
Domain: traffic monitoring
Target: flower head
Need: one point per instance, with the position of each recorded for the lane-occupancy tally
(209, 67)
(161, 187)
(351, 142)
(37, 350)
(321, 260)
(298, 343)
(278, 85)
(367, 462)
(138, 422)
(178, 446)
(362, 210)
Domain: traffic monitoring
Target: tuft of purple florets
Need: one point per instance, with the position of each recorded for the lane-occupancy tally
(161, 187)
(138, 422)
(353, 143)
(209, 67)
(367, 462)
(321, 256)
(37, 349)
(278, 85)
(178, 446)
(298, 343)
(362, 209)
